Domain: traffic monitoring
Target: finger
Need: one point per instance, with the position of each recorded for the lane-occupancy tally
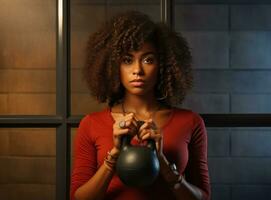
(129, 116)
(120, 117)
(131, 126)
(134, 121)
(141, 133)
(121, 132)
(146, 136)
(145, 126)
(150, 134)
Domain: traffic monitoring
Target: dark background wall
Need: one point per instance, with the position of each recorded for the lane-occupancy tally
(231, 45)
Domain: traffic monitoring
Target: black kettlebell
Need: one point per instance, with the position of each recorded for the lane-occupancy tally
(137, 166)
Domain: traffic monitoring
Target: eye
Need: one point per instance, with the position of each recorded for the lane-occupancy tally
(127, 60)
(149, 60)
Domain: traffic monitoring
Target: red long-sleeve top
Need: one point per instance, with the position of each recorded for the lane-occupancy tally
(185, 144)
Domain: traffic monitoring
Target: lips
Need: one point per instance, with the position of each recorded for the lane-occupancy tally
(137, 82)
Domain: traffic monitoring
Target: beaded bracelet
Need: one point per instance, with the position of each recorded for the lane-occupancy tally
(109, 167)
(110, 161)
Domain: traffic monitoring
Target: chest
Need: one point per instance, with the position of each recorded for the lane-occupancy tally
(175, 144)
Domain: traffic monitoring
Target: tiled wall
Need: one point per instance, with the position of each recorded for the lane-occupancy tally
(239, 163)
(231, 44)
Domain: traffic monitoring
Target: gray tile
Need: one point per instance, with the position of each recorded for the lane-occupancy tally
(250, 50)
(209, 49)
(207, 103)
(251, 170)
(251, 192)
(240, 170)
(212, 81)
(251, 81)
(250, 17)
(236, 81)
(220, 170)
(218, 142)
(221, 192)
(201, 17)
(251, 142)
(153, 10)
(251, 103)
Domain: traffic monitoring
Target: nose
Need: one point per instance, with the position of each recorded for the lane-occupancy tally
(137, 68)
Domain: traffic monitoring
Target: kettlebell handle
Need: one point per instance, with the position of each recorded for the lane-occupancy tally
(150, 142)
(125, 141)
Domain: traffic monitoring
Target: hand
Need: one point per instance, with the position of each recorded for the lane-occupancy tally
(130, 128)
(150, 131)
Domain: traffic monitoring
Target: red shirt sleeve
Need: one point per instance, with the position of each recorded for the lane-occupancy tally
(197, 167)
(85, 161)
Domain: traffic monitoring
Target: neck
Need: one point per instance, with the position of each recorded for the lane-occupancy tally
(142, 106)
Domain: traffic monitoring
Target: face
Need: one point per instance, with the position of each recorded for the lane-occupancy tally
(138, 70)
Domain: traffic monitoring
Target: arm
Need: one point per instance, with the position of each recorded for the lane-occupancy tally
(195, 185)
(88, 182)
(95, 188)
(183, 190)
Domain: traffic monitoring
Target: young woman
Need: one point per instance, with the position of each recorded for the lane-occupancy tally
(142, 70)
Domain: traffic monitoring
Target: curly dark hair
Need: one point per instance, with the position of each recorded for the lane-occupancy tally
(128, 32)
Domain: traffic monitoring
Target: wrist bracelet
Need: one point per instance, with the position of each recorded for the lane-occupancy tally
(110, 161)
(109, 167)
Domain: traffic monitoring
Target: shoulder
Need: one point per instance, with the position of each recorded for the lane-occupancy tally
(186, 113)
(98, 116)
(93, 124)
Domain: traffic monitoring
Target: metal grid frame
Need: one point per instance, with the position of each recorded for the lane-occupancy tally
(63, 121)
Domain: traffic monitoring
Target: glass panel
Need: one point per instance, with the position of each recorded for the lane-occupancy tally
(27, 57)
(27, 163)
(86, 16)
(239, 163)
(230, 45)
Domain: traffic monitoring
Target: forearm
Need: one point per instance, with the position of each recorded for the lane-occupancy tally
(182, 191)
(95, 188)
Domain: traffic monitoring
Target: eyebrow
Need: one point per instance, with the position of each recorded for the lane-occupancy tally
(144, 54)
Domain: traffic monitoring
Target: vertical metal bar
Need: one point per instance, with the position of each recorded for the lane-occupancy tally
(167, 12)
(63, 100)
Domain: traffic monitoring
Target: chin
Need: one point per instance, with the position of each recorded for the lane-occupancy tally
(139, 92)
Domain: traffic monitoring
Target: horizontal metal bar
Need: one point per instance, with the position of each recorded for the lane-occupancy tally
(237, 120)
(30, 121)
(211, 120)
(216, 120)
